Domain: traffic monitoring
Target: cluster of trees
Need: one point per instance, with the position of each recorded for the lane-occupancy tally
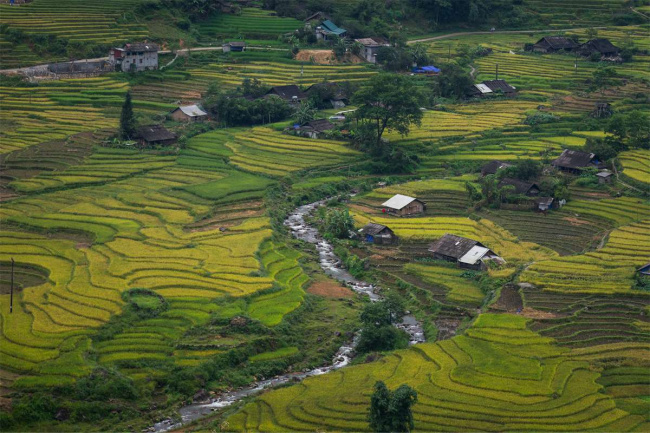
(379, 333)
(245, 107)
(390, 411)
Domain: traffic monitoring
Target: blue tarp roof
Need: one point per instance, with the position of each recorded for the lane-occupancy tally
(426, 69)
(332, 28)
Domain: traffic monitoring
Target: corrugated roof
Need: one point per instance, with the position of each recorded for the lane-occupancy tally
(141, 47)
(192, 110)
(332, 28)
(475, 254)
(573, 159)
(152, 133)
(483, 88)
(453, 246)
(521, 187)
(399, 201)
(373, 229)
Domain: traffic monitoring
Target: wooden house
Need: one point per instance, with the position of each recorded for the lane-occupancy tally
(290, 93)
(491, 88)
(314, 128)
(521, 187)
(237, 46)
(403, 205)
(327, 30)
(601, 47)
(605, 176)
(378, 234)
(466, 253)
(554, 44)
(543, 204)
(493, 166)
(189, 113)
(155, 135)
(574, 161)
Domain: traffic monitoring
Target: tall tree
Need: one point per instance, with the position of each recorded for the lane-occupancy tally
(388, 102)
(391, 411)
(127, 119)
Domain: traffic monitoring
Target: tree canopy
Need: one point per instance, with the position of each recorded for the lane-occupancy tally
(390, 411)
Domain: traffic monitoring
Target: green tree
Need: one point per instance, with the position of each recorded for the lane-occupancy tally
(339, 223)
(605, 77)
(304, 113)
(392, 411)
(389, 102)
(420, 54)
(633, 128)
(453, 81)
(591, 33)
(127, 119)
(340, 48)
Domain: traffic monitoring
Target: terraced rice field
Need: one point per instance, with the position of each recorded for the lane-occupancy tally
(636, 164)
(250, 22)
(53, 110)
(499, 376)
(576, 12)
(265, 151)
(608, 270)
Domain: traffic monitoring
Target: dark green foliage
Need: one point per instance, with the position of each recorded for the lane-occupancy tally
(378, 333)
(392, 411)
(603, 149)
(253, 88)
(127, 119)
(237, 111)
(605, 77)
(338, 223)
(453, 81)
(304, 113)
(394, 59)
(541, 118)
(103, 384)
(632, 128)
(525, 169)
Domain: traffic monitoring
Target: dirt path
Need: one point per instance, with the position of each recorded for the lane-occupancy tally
(453, 35)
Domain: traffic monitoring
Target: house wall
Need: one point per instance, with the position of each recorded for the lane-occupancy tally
(141, 61)
(413, 208)
(179, 116)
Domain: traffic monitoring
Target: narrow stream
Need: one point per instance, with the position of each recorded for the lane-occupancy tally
(332, 266)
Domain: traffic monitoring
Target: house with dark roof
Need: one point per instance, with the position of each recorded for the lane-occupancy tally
(403, 205)
(466, 253)
(328, 30)
(490, 88)
(378, 234)
(493, 166)
(314, 128)
(134, 57)
(521, 187)
(371, 47)
(554, 44)
(574, 161)
(189, 113)
(155, 135)
(290, 93)
(602, 47)
(338, 95)
(237, 46)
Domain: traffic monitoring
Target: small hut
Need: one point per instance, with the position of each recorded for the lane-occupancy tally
(378, 234)
(467, 253)
(238, 46)
(604, 176)
(189, 113)
(404, 205)
(574, 161)
(315, 128)
(521, 187)
(155, 135)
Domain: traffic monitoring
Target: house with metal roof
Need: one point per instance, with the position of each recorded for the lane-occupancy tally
(328, 30)
(493, 166)
(467, 253)
(492, 87)
(403, 205)
(602, 47)
(237, 46)
(314, 128)
(189, 113)
(378, 234)
(574, 161)
(371, 47)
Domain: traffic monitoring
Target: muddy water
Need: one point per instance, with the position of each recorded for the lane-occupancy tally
(331, 265)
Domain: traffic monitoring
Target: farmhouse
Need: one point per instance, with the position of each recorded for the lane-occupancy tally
(492, 87)
(234, 46)
(314, 128)
(155, 135)
(603, 110)
(493, 166)
(604, 176)
(328, 30)
(602, 47)
(553, 44)
(521, 187)
(189, 113)
(290, 93)
(134, 57)
(404, 205)
(573, 161)
(467, 253)
(378, 234)
(371, 47)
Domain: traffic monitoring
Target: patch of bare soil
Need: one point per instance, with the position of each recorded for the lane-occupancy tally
(576, 221)
(328, 289)
(325, 57)
(531, 313)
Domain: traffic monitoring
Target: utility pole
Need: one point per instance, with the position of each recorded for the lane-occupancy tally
(497, 72)
(11, 297)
